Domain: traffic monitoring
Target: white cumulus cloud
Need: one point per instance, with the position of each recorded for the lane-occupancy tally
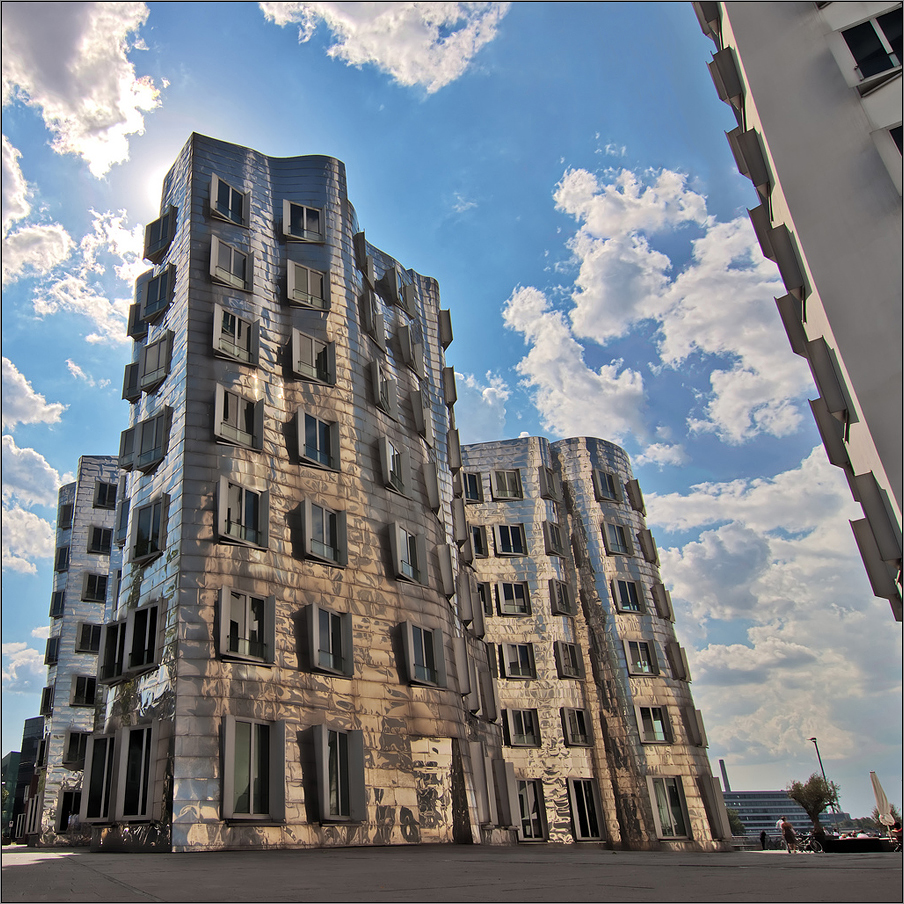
(21, 404)
(69, 60)
(23, 668)
(417, 43)
(34, 249)
(26, 538)
(27, 476)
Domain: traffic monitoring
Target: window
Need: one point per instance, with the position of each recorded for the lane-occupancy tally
(57, 603)
(605, 486)
(100, 540)
(409, 554)
(485, 597)
(385, 388)
(648, 546)
(235, 337)
(339, 759)
(627, 596)
(154, 362)
(425, 658)
(144, 445)
(616, 540)
(560, 600)
(247, 626)
(641, 658)
(412, 350)
(372, 321)
(254, 778)
(61, 562)
(513, 599)
(156, 293)
(473, 487)
(876, 44)
(423, 414)
(307, 288)
(569, 662)
(94, 588)
(654, 725)
(238, 420)
(113, 646)
(135, 785)
(243, 514)
(396, 466)
(533, 812)
(398, 290)
(635, 496)
(330, 647)
(522, 728)
(576, 727)
(64, 516)
(479, 541)
(47, 700)
(663, 600)
(229, 266)
(52, 651)
(141, 637)
(158, 235)
(669, 807)
(104, 496)
(318, 441)
(74, 748)
(516, 660)
(550, 484)
(122, 518)
(98, 781)
(228, 203)
(301, 223)
(507, 485)
(131, 389)
(149, 530)
(136, 327)
(677, 661)
(510, 540)
(84, 690)
(552, 538)
(325, 534)
(585, 809)
(88, 638)
(313, 359)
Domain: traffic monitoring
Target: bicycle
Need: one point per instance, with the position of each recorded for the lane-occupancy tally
(808, 844)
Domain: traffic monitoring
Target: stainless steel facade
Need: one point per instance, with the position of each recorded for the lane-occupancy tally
(563, 497)
(87, 563)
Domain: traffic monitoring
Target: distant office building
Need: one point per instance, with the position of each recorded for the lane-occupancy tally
(85, 577)
(10, 776)
(816, 91)
(31, 750)
(602, 740)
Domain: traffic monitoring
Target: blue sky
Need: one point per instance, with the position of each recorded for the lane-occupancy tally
(561, 170)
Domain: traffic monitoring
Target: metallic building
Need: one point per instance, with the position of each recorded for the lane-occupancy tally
(85, 568)
(282, 661)
(816, 92)
(602, 740)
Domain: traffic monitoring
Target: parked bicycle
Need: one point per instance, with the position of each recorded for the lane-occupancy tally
(809, 844)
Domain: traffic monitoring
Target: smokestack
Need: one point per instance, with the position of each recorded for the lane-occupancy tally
(724, 775)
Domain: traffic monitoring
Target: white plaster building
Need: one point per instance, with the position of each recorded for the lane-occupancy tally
(816, 91)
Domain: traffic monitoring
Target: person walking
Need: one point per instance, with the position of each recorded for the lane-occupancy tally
(789, 835)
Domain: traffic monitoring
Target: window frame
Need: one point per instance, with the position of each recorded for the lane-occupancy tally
(403, 542)
(606, 486)
(322, 366)
(145, 773)
(311, 518)
(341, 634)
(512, 487)
(372, 318)
(650, 736)
(97, 796)
(91, 588)
(652, 781)
(569, 660)
(57, 603)
(309, 236)
(505, 662)
(472, 481)
(90, 631)
(890, 56)
(430, 642)
(100, 540)
(332, 431)
(216, 183)
(80, 739)
(552, 539)
(652, 658)
(149, 380)
(64, 515)
(618, 598)
(231, 598)
(151, 311)
(297, 298)
(582, 791)
(273, 770)
(261, 526)
(570, 730)
(480, 548)
(83, 690)
(156, 537)
(500, 543)
(102, 490)
(423, 415)
(155, 251)
(231, 434)
(412, 350)
(395, 464)
(561, 598)
(532, 809)
(510, 724)
(620, 545)
(222, 277)
(232, 350)
(61, 558)
(503, 608)
(131, 442)
(385, 388)
(352, 798)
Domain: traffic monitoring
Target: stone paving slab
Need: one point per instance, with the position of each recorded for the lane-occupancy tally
(448, 873)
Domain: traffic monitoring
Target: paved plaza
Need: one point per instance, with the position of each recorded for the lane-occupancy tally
(568, 873)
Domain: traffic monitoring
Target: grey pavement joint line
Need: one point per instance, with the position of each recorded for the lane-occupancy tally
(80, 861)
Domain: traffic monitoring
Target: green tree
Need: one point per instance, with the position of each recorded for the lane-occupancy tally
(814, 795)
(734, 820)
